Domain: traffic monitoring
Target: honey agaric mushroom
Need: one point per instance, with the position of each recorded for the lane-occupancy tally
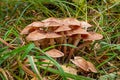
(92, 36)
(55, 53)
(36, 35)
(73, 23)
(84, 65)
(81, 63)
(31, 27)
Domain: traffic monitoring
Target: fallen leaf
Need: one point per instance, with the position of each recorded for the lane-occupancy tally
(34, 78)
(47, 63)
(69, 69)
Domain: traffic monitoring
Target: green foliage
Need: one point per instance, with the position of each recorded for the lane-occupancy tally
(16, 14)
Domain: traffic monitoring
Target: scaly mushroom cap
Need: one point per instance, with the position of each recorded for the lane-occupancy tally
(92, 36)
(55, 53)
(80, 62)
(36, 35)
(91, 67)
(31, 27)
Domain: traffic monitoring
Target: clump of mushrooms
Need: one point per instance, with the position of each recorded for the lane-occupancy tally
(54, 31)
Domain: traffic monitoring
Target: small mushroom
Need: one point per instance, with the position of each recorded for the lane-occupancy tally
(91, 36)
(36, 35)
(83, 64)
(32, 27)
(80, 62)
(74, 23)
(55, 53)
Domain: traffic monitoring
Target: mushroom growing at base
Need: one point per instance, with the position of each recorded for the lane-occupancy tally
(54, 53)
(83, 64)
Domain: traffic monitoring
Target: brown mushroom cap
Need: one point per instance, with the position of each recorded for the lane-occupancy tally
(80, 62)
(85, 24)
(51, 22)
(55, 53)
(31, 27)
(71, 21)
(62, 29)
(36, 35)
(92, 36)
(91, 67)
(77, 31)
(52, 35)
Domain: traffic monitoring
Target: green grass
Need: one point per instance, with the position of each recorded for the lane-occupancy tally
(104, 15)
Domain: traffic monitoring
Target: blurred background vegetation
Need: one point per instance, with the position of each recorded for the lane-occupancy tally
(104, 15)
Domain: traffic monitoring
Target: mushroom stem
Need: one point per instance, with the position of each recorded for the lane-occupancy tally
(76, 42)
(37, 43)
(86, 43)
(64, 42)
(52, 42)
(65, 47)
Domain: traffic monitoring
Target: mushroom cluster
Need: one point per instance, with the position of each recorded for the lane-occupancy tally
(54, 31)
